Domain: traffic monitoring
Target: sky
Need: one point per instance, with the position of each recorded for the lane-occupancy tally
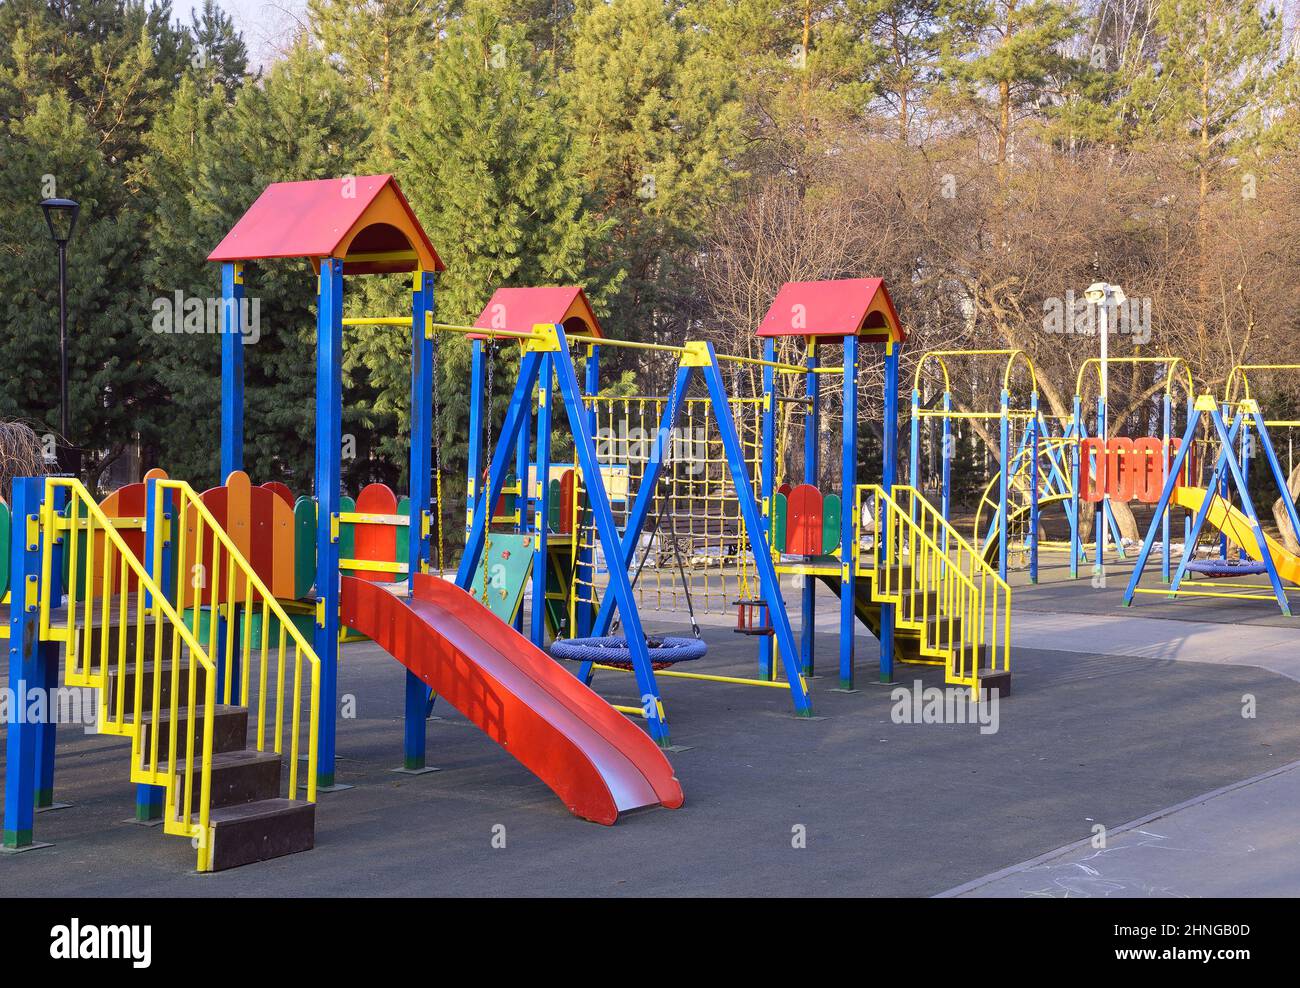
(265, 24)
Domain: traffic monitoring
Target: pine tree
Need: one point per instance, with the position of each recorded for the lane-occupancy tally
(219, 55)
(1005, 57)
(656, 124)
(380, 47)
(482, 154)
(1213, 94)
(208, 164)
(80, 83)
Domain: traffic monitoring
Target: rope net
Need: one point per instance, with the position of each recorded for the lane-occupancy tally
(693, 544)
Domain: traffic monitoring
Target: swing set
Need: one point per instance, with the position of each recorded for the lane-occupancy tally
(1237, 433)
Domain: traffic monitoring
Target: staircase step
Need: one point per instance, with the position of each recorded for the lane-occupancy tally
(996, 680)
(942, 630)
(241, 777)
(95, 645)
(261, 830)
(125, 678)
(229, 730)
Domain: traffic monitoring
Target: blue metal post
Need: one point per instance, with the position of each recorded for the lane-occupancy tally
(1033, 487)
(47, 739)
(542, 494)
(849, 485)
(1103, 517)
(1166, 427)
(28, 667)
(811, 475)
(949, 451)
(767, 489)
(914, 457)
(232, 368)
(416, 703)
(329, 440)
(888, 477)
(1076, 547)
(1004, 490)
(585, 564)
(159, 559)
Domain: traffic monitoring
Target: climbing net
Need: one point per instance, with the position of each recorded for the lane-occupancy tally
(694, 552)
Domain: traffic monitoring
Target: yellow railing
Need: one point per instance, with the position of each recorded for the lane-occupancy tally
(211, 569)
(940, 585)
(120, 615)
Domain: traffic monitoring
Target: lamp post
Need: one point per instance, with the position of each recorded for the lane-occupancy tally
(1106, 297)
(61, 218)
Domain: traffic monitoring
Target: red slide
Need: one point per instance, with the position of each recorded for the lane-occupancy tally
(590, 755)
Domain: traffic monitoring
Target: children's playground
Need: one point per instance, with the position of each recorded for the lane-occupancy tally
(744, 632)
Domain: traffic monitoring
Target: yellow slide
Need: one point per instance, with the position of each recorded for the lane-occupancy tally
(1234, 524)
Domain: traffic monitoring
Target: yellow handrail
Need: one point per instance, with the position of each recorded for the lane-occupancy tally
(941, 586)
(84, 670)
(101, 566)
(238, 568)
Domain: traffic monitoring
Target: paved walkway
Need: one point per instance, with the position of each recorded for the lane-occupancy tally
(1274, 649)
(1241, 840)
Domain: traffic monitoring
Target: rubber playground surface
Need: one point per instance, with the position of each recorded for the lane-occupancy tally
(1131, 719)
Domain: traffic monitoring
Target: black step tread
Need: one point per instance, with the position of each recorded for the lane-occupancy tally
(183, 711)
(261, 830)
(244, 776)
(229, 730)
(256, 810)
(246, 756)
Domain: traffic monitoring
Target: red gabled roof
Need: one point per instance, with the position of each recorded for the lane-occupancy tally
(845, 307)
(366, 217)
(520, 309)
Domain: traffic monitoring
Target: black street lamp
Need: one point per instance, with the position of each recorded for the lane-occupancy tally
(61, 218)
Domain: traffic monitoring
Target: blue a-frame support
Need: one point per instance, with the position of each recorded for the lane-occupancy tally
(1226, 475)
(554, 356)
(542, 497)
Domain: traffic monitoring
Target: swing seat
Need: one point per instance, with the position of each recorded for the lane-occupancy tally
(1226, 567)
(751, 617)
(613, 650)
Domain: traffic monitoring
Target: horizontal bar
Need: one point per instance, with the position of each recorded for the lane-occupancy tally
(374, 566)
(703, 676)
(369, 518)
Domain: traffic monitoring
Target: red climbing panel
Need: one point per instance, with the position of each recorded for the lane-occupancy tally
(803, 524)
(376, 543)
